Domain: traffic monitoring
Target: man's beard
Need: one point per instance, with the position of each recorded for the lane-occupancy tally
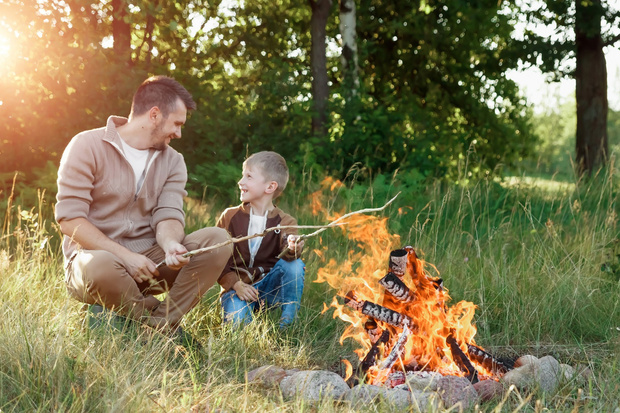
(156, 137)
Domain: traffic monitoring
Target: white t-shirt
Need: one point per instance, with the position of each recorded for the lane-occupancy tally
(137, 160)
(256, 226)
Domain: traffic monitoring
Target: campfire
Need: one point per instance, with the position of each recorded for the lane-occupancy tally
(400, 314)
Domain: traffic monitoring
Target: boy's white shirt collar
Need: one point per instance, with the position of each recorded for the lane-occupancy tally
(256, 225)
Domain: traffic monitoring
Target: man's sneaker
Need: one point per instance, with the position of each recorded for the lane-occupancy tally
(98, 316)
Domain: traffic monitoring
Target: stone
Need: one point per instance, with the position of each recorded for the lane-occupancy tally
(584, 372)
(423, 380)
(523, 377)
(363, 394)
(489, 390)
(398, 398)
(455, 390)
(313, 385)
(424, 401)
(525, 360)
(290, 372)
(548, 374)
(268, 375)
(567, 373)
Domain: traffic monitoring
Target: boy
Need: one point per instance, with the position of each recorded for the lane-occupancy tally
(255, 273)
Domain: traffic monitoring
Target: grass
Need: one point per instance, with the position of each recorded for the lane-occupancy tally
(539, 261)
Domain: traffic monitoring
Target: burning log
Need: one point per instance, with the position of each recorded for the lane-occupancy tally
(377, 337)
(376, 311)
(395, 354)
(395, 286)
(487, 361)
(461, 360)
(398, 262)
(397, 350)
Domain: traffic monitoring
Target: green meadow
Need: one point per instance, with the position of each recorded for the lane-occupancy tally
(540, 258)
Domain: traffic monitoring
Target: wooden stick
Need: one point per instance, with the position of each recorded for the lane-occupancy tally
(361, 211)
(247, 237)
(322, 228)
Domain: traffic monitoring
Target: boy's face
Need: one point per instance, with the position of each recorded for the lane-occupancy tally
(254, 186)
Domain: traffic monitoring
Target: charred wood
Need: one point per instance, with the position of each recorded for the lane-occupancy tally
(371, 357)
(461, 360)
(396, 287)
(487, 361)
(377, 312)
(398, 262)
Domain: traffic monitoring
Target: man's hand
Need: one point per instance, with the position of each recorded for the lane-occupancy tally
(294, 242)
(174, 256)
(139, 267)
(245, 291)
(169, 236)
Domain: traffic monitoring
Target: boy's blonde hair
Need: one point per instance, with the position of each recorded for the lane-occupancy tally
(272, 165)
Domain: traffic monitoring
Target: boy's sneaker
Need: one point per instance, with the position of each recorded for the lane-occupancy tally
(98, 316)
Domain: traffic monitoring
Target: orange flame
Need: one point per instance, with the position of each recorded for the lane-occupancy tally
(432, 322)
(349, 369)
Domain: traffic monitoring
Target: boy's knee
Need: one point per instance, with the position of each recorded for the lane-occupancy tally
(295, 268)
(234, 309)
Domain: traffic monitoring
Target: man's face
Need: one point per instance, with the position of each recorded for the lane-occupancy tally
(169, 128)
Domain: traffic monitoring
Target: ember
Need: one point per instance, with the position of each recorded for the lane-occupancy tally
(399, 315)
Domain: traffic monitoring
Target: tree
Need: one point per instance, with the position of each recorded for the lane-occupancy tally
(587, 27)
(62, 77)
(320, 87)
(348, 58)
(591, 87)
(433, 91)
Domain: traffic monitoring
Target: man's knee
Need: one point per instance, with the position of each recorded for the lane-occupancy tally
(207, 237)
(98, 275)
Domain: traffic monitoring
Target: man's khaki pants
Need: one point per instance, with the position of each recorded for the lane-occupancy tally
(99, 277)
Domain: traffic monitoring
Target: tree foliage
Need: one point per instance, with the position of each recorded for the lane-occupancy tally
(432, 84)
(580, 29)
(434, 88)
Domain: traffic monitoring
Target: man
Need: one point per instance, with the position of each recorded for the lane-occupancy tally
(120, 207)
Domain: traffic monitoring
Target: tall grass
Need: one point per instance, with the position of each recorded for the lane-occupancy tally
(538, 261)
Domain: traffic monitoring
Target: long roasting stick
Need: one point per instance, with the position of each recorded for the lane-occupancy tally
(322, 228)
(334, 222)
(239, 239)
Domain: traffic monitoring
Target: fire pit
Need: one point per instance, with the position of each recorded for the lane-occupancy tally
(414, 329)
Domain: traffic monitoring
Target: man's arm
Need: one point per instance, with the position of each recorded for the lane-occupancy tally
(170, 234)
(90, 237)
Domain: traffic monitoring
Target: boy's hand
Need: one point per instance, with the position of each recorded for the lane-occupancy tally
(245, 291)
(294, 242)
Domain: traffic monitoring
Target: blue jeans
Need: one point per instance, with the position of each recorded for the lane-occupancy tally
(283, 286)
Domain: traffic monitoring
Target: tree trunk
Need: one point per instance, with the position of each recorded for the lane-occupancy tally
(591, 89)
(318, 63)
(348, 57)
(121, 31)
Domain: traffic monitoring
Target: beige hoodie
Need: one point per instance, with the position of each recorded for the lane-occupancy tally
(96, 182)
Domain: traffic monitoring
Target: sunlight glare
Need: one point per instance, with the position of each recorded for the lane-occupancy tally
(5, 47)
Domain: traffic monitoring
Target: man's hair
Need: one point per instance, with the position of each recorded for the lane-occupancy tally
(273, 166)
(163, 92)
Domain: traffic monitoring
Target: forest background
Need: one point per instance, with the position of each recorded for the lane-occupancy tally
(516, 205)
(374, 86)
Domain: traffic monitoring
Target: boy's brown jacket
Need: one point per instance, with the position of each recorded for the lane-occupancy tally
(236, 220)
